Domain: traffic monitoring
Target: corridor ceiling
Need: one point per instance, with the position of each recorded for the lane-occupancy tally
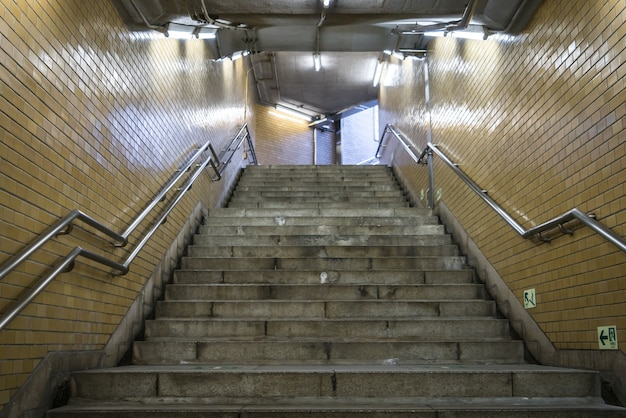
(350, 36)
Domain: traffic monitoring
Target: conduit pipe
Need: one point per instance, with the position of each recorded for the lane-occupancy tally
(162, 29)
(468, 14)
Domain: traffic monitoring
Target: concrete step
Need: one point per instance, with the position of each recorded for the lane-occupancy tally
(260, 194)
(321, 251)
(320, 178)
(328, 205)
(269, 170)
(326, 292)
(280, 220)
(271, 383)
(337, 309)
(428, 329)
(305, 302)
(280, 239)
(332, 198)
(338, 188)
(324, 264)
(319, 174)
(327, 187)
(323, 213)
(302, 276)
(329, 230)
(485, 407)
(332, 351)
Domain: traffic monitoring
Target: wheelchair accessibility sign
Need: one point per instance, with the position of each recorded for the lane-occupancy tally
(607, 338)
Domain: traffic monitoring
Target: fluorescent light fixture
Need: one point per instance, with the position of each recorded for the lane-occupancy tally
(326, 4)
(469, 35)
(317, 61)
(471, 32)
(379, 72)
(398, 55)
(176, 31)
(436, 33)
(282, 115)
(236, 55)
(293, 113)
(321, 120)
(206, 33)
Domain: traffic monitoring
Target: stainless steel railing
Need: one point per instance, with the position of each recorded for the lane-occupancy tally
(243, 134)
(425, 157)
(65, 224)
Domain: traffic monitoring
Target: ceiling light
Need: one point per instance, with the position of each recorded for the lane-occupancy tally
(321, 119)
(317, 61)
(293, 113)
(436, 33)
(398, 55)
(471, 32)
(326, 4)
(238, 54)
(206, 33)
(379, 72)
(176, 31)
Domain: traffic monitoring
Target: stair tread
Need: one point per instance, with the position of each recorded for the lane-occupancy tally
(334, 339)
(345, 369)
(341, 406)
(405, 331)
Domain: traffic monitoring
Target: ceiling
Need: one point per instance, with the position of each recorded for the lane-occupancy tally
(282, 36)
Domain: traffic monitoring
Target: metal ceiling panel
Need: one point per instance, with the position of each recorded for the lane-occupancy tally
(350, 36)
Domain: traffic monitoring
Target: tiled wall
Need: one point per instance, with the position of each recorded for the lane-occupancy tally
(326, 150)
(537, 120)
(359, 133)
(282, 139)
(94, 117)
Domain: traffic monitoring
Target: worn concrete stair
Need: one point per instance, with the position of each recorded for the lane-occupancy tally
(319, 292)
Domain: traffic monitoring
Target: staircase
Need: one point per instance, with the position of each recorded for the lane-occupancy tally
(318, 292)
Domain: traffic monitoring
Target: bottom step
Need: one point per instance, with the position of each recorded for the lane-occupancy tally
(361, 408)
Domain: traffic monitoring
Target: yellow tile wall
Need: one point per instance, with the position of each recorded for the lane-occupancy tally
(538, 120)
(97, 118)
(282, 139)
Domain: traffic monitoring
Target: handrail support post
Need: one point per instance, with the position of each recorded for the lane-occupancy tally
(431, 179)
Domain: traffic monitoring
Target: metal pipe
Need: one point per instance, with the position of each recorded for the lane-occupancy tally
(149, 25)
(166, 213)
(65, 264)
(557, 222)
(431, 181)
(517, 227)
(51, 232)
(64, 225)
(235, 148)
(159, 197)
(405, 144)
(469, 12)
(251, 150)
(214, 22)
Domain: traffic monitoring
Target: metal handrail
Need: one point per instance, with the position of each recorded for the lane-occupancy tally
(557, 222)
(61, 227)
(168, 210)
(161, 195)
(243, 134)
(64, 226)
